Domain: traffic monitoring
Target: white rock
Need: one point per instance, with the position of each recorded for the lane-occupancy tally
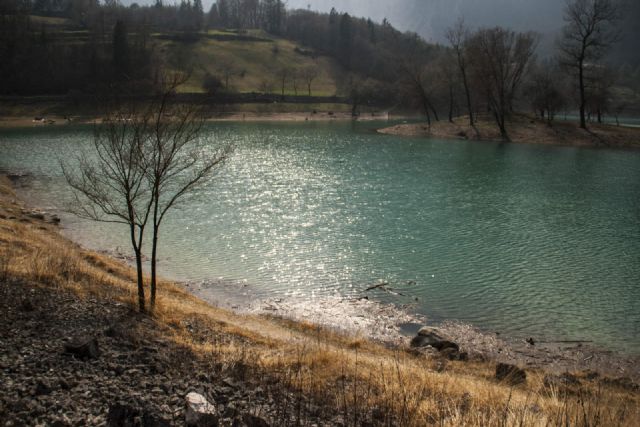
(200, 413)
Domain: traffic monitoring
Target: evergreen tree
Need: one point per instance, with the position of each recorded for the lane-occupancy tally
(121, 60)
(224, 12)
(213, 17)
(198, 14)
(346, 38)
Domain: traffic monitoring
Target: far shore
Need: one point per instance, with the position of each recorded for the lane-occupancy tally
(15, 122)
(524, 129)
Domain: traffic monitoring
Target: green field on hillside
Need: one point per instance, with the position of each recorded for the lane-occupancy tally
(253, 65)
(249, 60)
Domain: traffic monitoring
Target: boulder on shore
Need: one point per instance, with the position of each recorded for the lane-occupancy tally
(200, 413)
(432, 337)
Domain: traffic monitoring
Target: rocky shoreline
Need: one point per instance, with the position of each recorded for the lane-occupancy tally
(73, 360)
(130, 374)
(395, 326)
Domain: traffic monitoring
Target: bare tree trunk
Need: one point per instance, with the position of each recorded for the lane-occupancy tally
(154, 252)
(450, 103)
(138, 253)
(425, 105)
(141, 302)
(283, 84)
(500, 119)
(583, 121)
(468, 96)
(435, 113)
(154, 239)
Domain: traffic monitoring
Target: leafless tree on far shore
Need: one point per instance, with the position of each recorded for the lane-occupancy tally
(457, 37)
(500, 61)
(586, 36)
(309, 74)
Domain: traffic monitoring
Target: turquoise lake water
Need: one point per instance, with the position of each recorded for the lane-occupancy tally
(523, 239)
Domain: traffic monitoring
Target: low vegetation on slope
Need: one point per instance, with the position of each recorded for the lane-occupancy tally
(252, 367)
(248, 65)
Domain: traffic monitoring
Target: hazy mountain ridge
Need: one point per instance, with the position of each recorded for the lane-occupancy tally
(431, 18)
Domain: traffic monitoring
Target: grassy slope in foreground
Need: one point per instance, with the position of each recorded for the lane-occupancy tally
(303, 373)
(526, 130)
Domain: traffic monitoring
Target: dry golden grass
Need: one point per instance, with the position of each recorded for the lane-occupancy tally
(350, 376)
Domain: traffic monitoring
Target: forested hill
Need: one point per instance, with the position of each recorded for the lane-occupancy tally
(242, 51)
(83, 46)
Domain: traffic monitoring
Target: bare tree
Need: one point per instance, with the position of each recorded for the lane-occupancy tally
(227, 70)
(266, 86)
(110, 185)
(145, 162)
(599, 87)
(586, 36)
(457, 37)
(283, 75)
(176, 160)
(309, 74)
(444, 71)
(546, 91)
(295, 75)
(500, 60)
(416, 76)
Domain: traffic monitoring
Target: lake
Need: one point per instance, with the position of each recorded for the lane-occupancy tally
(526, 240)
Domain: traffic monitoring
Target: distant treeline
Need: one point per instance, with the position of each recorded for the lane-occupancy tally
(101, 44)
(89, 47)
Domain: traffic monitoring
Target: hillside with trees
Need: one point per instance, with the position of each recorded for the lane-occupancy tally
(257, 51)
(88, 48)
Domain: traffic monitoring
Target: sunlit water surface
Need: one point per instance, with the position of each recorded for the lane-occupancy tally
(522, 239)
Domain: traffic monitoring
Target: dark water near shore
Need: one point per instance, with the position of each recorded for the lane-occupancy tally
(522, 239)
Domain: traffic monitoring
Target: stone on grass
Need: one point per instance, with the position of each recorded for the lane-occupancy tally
(200, 413)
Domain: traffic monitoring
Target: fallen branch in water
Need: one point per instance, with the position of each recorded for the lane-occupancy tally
(385, 287)
(382, 285)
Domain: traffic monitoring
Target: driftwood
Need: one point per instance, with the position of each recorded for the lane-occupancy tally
(382, 285)
(385, 287)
